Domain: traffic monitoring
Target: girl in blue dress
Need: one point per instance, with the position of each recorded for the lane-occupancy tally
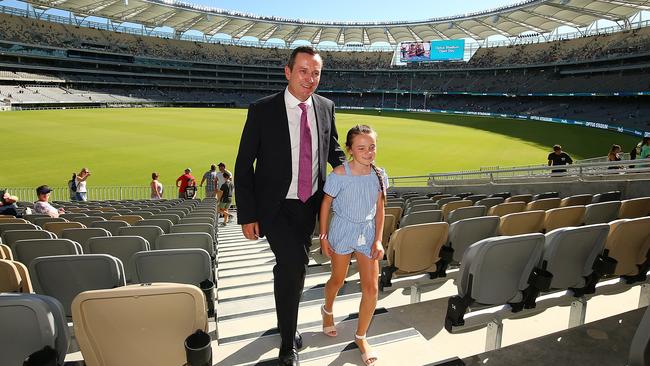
(355, 191)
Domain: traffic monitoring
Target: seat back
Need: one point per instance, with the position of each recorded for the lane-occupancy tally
(64, 277)
(505, 208)
(58, 227)
(446, 200)
(466, 213)
(197, 220)
(5, 252)
(29, 323)
(476, 197)
(17, 226)
(564, 217)
(545, 195)
(503, 195)
(72, 216)
(28, 250)
(10, 237)
(628, 242)
(640, 347)
(14, 277)
(635, 207)
(82, 235)
(395, 211)
(489, 202)
(466, 232)
(88, 220)
(570, 253)
(151, 321)
(179, 212)
(606, 197)
(12, 220)
(437, 197)
(421, 217)
(390, 224)
(149, 233)
(522, 223)
(416, 248)
(543, 204)
(121, 247)
(33, 217)
(108, 215)
(496, 270)
(175, 219)
(421, 207)
(186, 241)
(525, 198)
(604, 212)
(194, 228)
(41, 221)
(451, 206)
(577, 200)
(191, 266)
(113, 226)
(130, 219)
(163, 224)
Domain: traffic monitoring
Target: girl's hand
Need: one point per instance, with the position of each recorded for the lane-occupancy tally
(325, 248)
(377, 250)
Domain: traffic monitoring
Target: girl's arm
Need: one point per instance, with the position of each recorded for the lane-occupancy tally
(377, 251)
(325, 208)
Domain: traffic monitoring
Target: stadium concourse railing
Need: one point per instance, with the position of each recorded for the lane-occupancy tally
(99, 193)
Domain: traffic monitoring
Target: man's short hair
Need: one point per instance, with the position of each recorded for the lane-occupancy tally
(557, 147)
(302, 49)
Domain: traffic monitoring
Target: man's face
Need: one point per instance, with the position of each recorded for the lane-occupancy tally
(304, 76)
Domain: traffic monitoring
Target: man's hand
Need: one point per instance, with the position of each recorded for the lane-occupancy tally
(251, 231)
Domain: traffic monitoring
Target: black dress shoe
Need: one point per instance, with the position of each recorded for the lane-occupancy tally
(297, 340)
(288, 358)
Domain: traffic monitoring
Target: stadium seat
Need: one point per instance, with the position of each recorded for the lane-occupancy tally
(394, 203)
(25, 251)
(476, 197)
(151, 321)
(195, 228)
(628, 243)
(564, 217)
(72, 216)
(17, 226)
(113, 226)
(421, 207)
(466, 213)
(121, 247)
(482, 280)
(543, 204)
(604, 212)
(606, 197)
(503, 195)
(545, 195)
(635, 207)
(106, 209)
(577, 200)
(197, 220)
(175, 219)
(503, 209)
(57, 227)
(640, 346)
(178, 212)
(88, 221)
(571, 255)
(395, 211)
(186, 241)
(421, 217)
(390, 224)
(450, 207)
(466, 232)
(149, 233)
(12, 220)
(14, 277)
(5, 252)
(65, 276)
(41, 221)
(130, 219)
(444, 200)
(490, 202)
(144, 214)
(417, 249)
(82, 235)
(438, 197)
(522, 223)
(10, 237)
(190, 266)
(33, 217)
(163, 224)
(29, 324)
(525, 198)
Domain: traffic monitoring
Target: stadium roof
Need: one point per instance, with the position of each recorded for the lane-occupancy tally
(539, 16)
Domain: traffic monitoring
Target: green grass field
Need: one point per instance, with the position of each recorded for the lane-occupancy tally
(123, 146)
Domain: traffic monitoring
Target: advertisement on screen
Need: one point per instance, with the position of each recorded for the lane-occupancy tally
(447, 50)
(415, 51)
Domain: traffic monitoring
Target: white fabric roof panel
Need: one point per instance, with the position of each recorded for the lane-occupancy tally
(540, 16)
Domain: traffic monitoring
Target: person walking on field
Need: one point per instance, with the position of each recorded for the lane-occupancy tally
(288, 139)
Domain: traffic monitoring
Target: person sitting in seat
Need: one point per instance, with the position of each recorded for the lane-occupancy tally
(7, 203)
(42, 206)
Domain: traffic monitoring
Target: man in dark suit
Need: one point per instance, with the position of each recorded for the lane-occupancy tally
(288, 139)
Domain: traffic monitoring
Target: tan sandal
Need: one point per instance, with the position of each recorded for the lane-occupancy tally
(331, 330)
(369, 358)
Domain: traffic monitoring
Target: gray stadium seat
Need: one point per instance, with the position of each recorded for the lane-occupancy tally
(490, 201)
(421, 217)
(606, 197)
(10, 237)
(17, 226)
(40, 221)
(89, 220)
(466, 213)
(33, 217)
(57, 227)
(520, 198)
(640, 347)
(466, 232)
(444, 200)
(186, 240)
(175, 219)
(66, 276)
(421, 207)
(121, 247)
(164, 224)
(545, 195)
(191, 266)
(113, 226)
(72, 216)
(181, 213)
(27, 250)
(197, 220)
(149, 233)
(29, 323)
(81, 236)
(603, 212)
(476, 197)
(195, 228)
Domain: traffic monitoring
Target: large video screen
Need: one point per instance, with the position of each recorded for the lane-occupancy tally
(415, 51)
(447, 50)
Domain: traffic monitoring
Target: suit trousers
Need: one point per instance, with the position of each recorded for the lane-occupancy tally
(290, 238)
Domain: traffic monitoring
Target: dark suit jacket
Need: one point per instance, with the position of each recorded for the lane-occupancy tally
(265, 142)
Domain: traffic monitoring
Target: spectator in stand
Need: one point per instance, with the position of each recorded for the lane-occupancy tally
(82, 191)
(614, 155)
(210, 178)
(190, 190)
(8, 203)
(183, 181)
(559, 157)
(225, 201)
(644, 153)
(42, 206)
(156, 187)
(220, 177)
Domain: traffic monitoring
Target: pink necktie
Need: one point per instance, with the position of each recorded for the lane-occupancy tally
(305, 160)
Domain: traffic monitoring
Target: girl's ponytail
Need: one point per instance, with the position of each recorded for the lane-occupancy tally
(381, 181)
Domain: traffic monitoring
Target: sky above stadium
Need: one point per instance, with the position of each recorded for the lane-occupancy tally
(359, 10)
